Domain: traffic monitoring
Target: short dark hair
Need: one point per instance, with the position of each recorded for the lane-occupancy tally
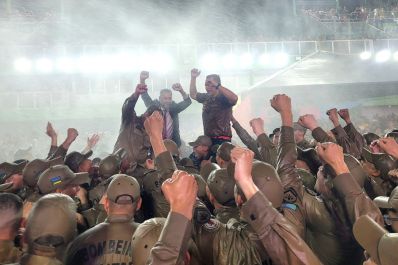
(215, 76)
(10, 202)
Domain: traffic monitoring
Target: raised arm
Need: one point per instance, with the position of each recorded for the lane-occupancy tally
(267, 148)
(53, 135)
(309, 122)
(228, 94)
(245, 137)
(128, 109)
(192, 88)
(351, 131)
(144, 75)
(182, 105)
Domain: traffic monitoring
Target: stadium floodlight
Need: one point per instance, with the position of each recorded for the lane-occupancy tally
(65, 65)
(246, 60)
(281, 59)
(383, 56)
(229, 61)
(209, 61)
(44, 65)
(365, 55)
(264, 59)
(395, 56)
(23, 65)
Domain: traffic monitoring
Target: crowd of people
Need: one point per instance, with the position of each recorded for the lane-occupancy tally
(279, 198)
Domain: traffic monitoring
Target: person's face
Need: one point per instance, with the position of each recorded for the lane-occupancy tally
(298, 136)
(275, 139)
(16, 180)
(165, 99)
(71, 191)
(201, 150)
(85, 166)
(210, 86)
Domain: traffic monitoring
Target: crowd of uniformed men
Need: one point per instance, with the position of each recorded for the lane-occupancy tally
(281, 199)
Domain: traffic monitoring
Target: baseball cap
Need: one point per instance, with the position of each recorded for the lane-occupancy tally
(370, 137)
(9, 169)
(384, 163)
(74, 159)
(381, 245)
(388, 202)
(224, 151)
(299, 127)
(206, 169)
(310, 157)
(172, 147)
(123, 189)
(393, 135)
(221, 186)
(35, 167)
(144, 238)
(53, 218)
(4, 187)
(59, 177)
(201, 140)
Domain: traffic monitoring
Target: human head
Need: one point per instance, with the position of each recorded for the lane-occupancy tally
(166, 98)
(390, 206)
(223, 154)
(12, 173)
(220, 188)
(51, 226)
(201, 146)
(299, 132)
(122, 196)
(11, 215)
(78, 162)
(210, 87)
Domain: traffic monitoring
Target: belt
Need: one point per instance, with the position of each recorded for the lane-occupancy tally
(221, 137)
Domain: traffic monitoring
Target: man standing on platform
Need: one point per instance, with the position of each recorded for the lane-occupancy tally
(217, 107)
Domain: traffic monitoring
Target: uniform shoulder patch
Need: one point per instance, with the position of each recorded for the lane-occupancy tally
(290, 196)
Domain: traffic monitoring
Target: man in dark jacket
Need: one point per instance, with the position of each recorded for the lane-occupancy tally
(169, 108)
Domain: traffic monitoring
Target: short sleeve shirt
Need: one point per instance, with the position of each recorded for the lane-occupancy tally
(216, 114)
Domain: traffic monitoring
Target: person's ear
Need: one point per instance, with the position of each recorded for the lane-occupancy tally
(209, 195)
(238, 200)
(139, 203)
(106, 204)
(150, 164)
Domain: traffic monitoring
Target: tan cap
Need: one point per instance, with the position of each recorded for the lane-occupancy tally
(9, 169)
(267, 180)
(74, 159)
(52, 216)
(123, 189)
(6, 187)
(59, 177)
(206, 169)
(35, 167)
(384, 163)
(388, 202)
(221, 186)
(381, 245)
(201, 140)
(172, 147)
(145, 237)
(201, 185)
(224, 151)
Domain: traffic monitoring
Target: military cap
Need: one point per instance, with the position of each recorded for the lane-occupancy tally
(110, 165)
(384, 163)
(186, 162)
(5, 187)
(35, 167)
(9, 169)
(123, 189)
(388, 202)
(370, 137)
(381, 245)
(96, 161)
(267, 180)
(172, 147)
(224, 151)
(298, 127)
(52, 222)
(310, 157)
(144, 238)
(59, 177)
(207, 169)
(221, 185)
(307, 178)
(74, 159)
(393, 135)
(201, 140)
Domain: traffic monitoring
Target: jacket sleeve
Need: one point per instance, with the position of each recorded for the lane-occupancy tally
(147, 99)
(283, 245)
(52, 150)
(128, 112)
(344, 141)
(355, 199)
(268, 150)
(174, 236)
(321, 136)
(246, 139)
(59, 152)
(182, 105)
(355, 137)
(165, 165)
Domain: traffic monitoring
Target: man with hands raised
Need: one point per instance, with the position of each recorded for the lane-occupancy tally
(170, 109)
(217, 107)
